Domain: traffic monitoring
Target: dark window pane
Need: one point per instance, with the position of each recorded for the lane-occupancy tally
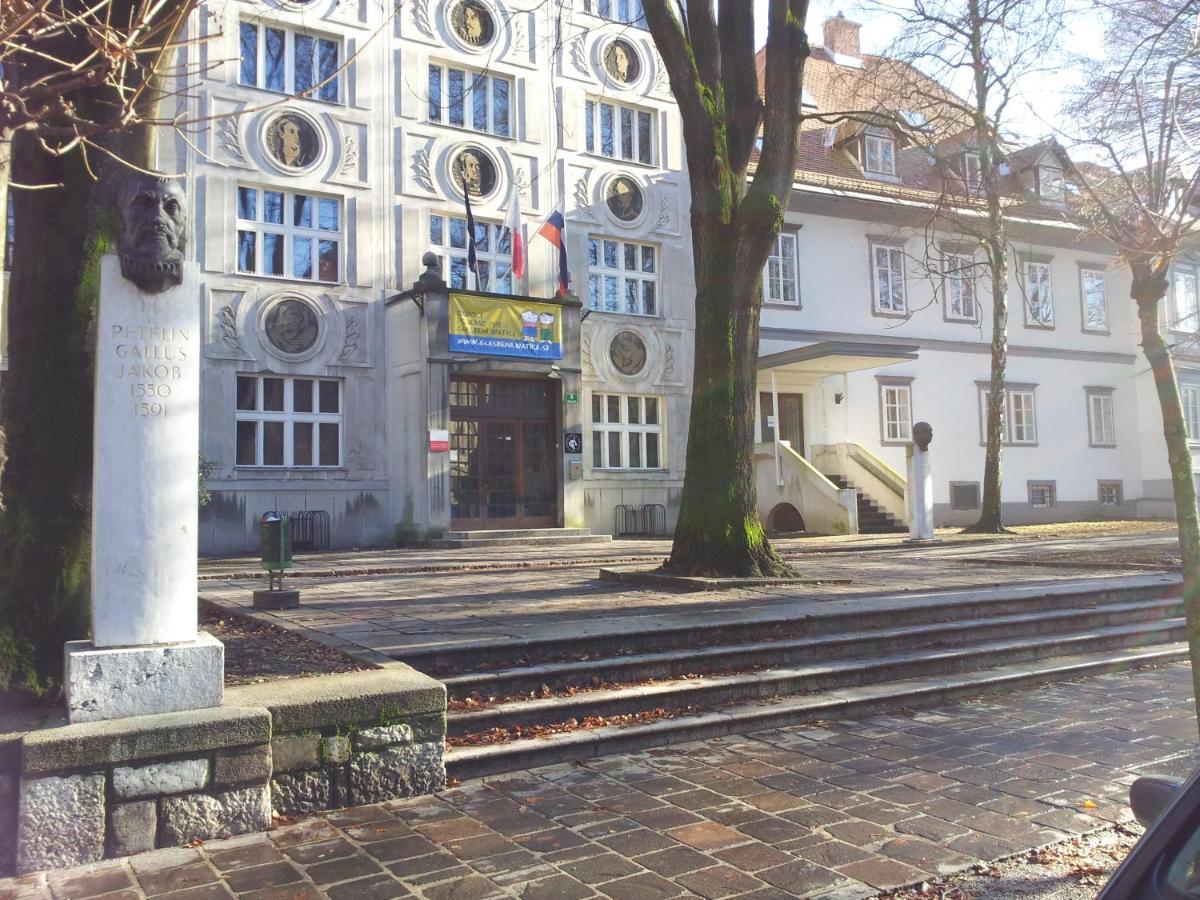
(610, 254)
(645, 148)
(651, 410)
(302, 395)
(614, 408)
(248, 73)
(635, 411)
(247, 204)
(597, 449)
(482, 237)
(302, 263)
(652, 461)
(479, 102)
(302, 210)
(329, 260)
(247, 392)
(329, 396)
(649, 303)
(626, 133)
(246, 256)
(630, 257)
(329, 444)
(607, 138)
(500, 106)
(614, 449)
(247, 441)
(589, 126)
(273, 64)
(597, 409)
(303, 61)
(647, 259)
(302, 443)
(273, 394)
(435, 93)
(327, 69)
(455, 91)
(458, 234)
(272, 254)
(327, 214)
(484, 271)
(635, 450)
(272, 443)
(458, 272)
(273, 207)
(631, 295)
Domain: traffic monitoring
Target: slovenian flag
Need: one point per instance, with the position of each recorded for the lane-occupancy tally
(554, 230)
(513, 223)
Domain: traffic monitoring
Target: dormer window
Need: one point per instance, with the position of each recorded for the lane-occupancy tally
(879, 154)
(1050, 182)
(972, 169)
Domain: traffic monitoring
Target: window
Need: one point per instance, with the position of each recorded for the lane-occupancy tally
(1041, 493)
(1190, 397)
(1039, 302)
(780, 281)
(1102, 427)
(288, 235)
(887, 265)
(879, 154)
(493, 252)
(622, 277)
(1050, 182)
(960, 288)
(626, 432)
(1095, 304)
(290, 62)
(1110, 493)
(288, 421)
(972, 169)
(1019, 415)
(616, 131)
(1187, 309)
(628, 11)
(895, 412)
(964, 495)
(467, 99)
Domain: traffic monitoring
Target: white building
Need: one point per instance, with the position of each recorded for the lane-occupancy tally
(335, 137)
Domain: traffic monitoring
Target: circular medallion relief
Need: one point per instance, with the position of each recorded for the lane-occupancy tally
(627, 352)
(473, 169)
(292, 326)
(472, 23)
(622, 62)
(292, 142)
(624, 198)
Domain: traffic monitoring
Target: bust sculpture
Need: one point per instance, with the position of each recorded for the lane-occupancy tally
(922, 434)
(920, 484)
(153, 234)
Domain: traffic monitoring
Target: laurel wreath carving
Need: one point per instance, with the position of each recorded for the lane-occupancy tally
(579, 55)
(350, 344)
(227, 131)
(229, 329)
(420, 168)
(664, 215)
(669, 363)
(350, 155)
(585, 357)
(581, 191)
(421, 17)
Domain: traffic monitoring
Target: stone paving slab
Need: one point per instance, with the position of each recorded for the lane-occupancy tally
(841, 809)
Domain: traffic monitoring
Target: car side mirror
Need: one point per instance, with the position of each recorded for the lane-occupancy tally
(1150, 795)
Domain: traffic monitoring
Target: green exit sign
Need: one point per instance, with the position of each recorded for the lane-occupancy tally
(571, 397)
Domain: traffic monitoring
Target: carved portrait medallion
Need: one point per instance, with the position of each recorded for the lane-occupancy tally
(622, 62)
(474, 170)
(292, 142)
(291, 326)
(627, 352)
(472, 23)
(624, 198)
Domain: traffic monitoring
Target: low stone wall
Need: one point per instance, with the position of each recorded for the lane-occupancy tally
(88, 791)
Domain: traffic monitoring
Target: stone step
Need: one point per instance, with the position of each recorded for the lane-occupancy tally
(544, 540)
(680, 631)
(516, 533)
(715, 691)
(809, 649)
(909, 693)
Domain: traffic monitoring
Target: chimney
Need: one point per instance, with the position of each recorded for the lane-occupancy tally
(841, 39)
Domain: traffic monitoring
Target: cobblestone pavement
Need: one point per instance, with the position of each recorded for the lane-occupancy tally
(829, 809)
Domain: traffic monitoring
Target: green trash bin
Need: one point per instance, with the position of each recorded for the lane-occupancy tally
(275, 544)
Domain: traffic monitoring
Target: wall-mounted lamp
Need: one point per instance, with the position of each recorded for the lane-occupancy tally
(555, 372)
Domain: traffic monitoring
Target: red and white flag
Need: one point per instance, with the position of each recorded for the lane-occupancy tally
(513, 223)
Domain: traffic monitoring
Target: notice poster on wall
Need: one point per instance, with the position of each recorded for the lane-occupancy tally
(496, 327)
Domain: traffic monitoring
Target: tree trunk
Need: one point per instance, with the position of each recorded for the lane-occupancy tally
(718, 531)
(991, 509)
(1149, 288)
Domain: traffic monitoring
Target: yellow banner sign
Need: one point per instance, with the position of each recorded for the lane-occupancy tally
(496, 327)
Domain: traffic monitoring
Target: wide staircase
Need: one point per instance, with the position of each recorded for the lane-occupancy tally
(615, 687)
(871, 518)
(518, 537)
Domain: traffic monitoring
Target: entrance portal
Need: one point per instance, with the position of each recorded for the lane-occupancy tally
(791, 419)
(503, 453)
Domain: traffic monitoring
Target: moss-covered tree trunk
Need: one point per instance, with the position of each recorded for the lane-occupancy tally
(1149, 287)
(46, 405)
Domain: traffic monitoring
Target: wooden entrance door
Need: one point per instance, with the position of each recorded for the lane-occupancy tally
(790, 419)
(503, 471)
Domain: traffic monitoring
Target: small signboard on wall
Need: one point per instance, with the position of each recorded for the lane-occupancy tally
(439, 440)
(573, 441)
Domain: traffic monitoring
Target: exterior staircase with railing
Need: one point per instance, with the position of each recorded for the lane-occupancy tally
(871, 518)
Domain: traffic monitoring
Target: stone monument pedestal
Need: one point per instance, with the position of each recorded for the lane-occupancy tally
(920, 486)
(276, 599)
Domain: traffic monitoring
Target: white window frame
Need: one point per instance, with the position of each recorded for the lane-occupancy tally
(1019, 415)
(1102, 422)
(879, 154)
(1094, 276)
(1035, 274)
(778, 283)
(972, 168)
(1050, 183)
(495, 266)
(1189, 397)
(886, 277)
(601, 275)
(474, 82)
(632, 434)
(960, 285)
(1186, 302)
(593, 142)
(1051, 493)
(289, 233)
(627, 11)
(290, 417)
(329, 93)
(895, 412)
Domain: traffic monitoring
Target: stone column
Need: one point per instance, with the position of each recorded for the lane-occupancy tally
(920, 485)
(145, 655)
